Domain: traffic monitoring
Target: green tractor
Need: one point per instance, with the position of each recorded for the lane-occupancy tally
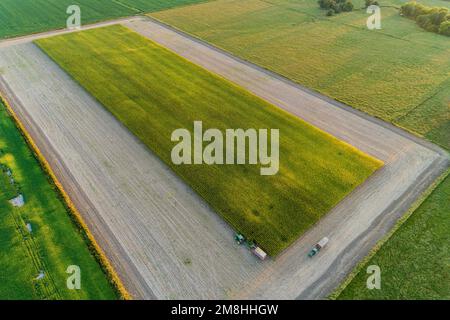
(240, 239)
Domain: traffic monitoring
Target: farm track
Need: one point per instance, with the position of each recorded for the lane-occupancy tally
(162, 239)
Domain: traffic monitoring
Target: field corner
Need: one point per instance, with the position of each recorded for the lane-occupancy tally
(337, 292)
(75, 215)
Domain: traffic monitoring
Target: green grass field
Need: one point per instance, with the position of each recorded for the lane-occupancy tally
(31, 16)
(400, 73)
(415, 262)
(55, 242)
(153, 92)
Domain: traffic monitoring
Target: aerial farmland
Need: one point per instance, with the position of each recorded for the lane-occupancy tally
(224, 149)
(254, 204)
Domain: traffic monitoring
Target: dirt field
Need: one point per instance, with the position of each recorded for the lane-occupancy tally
(163, 240)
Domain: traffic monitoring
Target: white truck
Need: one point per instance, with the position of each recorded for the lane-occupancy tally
(257, 251)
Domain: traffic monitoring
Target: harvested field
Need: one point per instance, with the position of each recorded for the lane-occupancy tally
(316, 170)
(148, 222)
(335, 118)
(145, 218)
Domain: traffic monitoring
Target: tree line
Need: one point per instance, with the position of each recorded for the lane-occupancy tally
(336, 6)
(429, 18)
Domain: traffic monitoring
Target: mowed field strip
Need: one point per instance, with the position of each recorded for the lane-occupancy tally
(150, 223)
(154, 92)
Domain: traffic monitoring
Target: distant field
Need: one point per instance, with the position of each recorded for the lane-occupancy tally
(153, 92)
(55, 242)
(31, 16)
(400, 73)
(415, 261)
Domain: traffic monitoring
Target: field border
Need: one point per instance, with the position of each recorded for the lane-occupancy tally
(424, 196)
(74, 214)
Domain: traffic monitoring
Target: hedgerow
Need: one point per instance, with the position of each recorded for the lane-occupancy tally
(372, 3)
(432, 19)
(336, 6)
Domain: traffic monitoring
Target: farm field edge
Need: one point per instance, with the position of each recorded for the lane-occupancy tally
(61, 217)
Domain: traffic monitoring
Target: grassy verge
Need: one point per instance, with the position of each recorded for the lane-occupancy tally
(414, 258)
(153, 92)
(399, 73)
(54, 243)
